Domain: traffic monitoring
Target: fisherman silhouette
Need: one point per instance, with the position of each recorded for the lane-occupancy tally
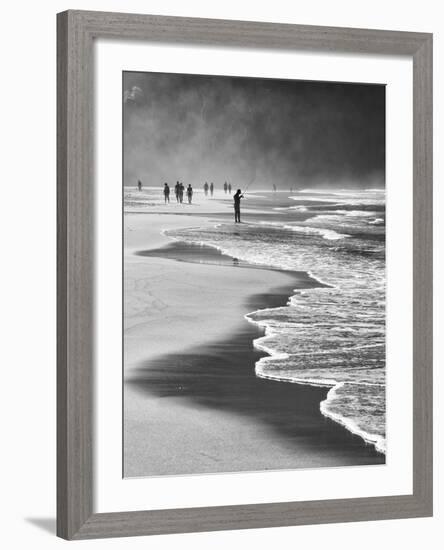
(211, 188)
(225, 187)
(206, 188)
(237, 198)
(181, 190)
(166, 192)
(229, 188)
(139, 185)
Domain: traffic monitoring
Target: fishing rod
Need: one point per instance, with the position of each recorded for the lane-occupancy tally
(251, 181)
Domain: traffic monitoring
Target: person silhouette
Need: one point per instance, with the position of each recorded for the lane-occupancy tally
(166, 192)
(177, 191)
(237, 198)
(189, 193)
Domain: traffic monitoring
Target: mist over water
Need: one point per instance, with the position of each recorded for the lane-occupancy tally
(210, 128)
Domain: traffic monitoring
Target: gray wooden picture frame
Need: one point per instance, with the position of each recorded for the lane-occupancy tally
(76, 32)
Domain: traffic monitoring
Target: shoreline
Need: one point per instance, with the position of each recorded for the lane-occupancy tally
(211, 255)
(377, 442)
(182, 251)
(282, 423)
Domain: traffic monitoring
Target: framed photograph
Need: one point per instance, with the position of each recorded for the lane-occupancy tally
(244, 275)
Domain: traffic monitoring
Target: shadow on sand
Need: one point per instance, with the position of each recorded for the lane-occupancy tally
(221, 375)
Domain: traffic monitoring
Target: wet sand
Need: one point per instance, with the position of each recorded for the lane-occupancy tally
(192, 401)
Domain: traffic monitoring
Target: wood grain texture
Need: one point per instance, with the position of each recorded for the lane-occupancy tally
(74, 277)
(62, 291)
(77, 31)
(221, 518)
(248, 33)
(423, 273)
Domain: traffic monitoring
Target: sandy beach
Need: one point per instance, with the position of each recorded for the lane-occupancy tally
(192, 402)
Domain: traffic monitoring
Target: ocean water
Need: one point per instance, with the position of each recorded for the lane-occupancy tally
(333, 335)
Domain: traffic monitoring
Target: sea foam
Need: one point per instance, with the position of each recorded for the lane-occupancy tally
(333, 335)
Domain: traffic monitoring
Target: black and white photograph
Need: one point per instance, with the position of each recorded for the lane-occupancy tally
(253, 274)
(221, 316)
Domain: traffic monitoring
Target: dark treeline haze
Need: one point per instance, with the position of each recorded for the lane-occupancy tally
(287, 132)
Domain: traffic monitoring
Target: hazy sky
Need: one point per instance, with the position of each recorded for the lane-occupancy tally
(216, 128)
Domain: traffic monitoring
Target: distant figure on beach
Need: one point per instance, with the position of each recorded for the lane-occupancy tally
(166, 192)
(176, 190)
(206, 188)
(181, 190)
(237, 198)
(229, 188)
(225, 187)
(274, 188)
(189, 193)
(139, 185)
(211, 188)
